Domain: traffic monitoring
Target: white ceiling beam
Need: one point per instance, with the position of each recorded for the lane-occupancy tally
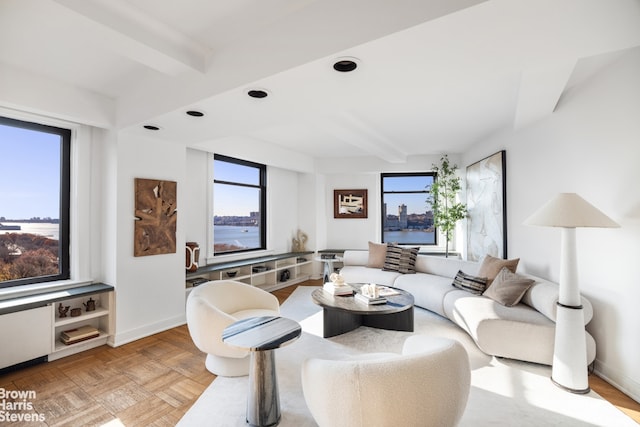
(351, 130)
(137, 36)
(539, 92)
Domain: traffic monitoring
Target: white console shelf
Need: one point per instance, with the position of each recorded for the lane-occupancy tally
(35, 323)
(265, 272)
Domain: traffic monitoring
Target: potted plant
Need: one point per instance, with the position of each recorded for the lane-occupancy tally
(447, 211)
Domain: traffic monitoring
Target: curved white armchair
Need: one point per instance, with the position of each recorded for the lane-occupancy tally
(213, 306)
(427, 385)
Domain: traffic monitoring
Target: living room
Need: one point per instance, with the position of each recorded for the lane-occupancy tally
(567, 122)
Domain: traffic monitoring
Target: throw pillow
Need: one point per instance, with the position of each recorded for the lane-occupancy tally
(466, 282)
(377, 255)
(491, 266)
(508, 288)
(402, 260)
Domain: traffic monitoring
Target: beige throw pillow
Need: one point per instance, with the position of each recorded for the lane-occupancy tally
(491, 266)
(508, 288)
(377, 254)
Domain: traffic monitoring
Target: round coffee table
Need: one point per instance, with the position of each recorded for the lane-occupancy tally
(343, 313)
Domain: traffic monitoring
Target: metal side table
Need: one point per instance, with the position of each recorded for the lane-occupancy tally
(262, 335)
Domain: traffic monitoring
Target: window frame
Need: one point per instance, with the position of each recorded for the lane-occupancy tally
(262, 186)
(382, 202)
(64, 252)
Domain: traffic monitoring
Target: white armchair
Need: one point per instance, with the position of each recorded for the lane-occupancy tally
(213, 306)
(427, 385)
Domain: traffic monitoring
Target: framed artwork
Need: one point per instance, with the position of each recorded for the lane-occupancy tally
(487, 208)
(156, 212)
(350, 203)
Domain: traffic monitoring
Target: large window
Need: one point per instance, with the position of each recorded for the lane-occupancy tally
(34, 202)
(239, 205)
(406, 215)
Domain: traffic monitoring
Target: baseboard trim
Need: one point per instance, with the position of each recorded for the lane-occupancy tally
(147, 330)
(617, 379)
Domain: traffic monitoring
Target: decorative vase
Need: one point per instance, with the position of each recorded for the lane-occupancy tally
(193, 256)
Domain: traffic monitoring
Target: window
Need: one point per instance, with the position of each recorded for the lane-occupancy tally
(406, 215)
(34, 202)
(239, 205)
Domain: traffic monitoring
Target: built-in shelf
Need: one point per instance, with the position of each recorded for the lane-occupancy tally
(265, 272)
(38, 317)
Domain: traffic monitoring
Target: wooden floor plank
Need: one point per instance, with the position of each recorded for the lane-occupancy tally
(150, 382)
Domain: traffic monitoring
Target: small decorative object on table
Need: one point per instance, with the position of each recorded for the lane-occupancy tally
(62, 311)
(75, 312)
(370, 294)
(337, 286)
(327, 256)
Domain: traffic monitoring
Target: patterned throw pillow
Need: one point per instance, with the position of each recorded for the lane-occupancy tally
(466, 282)
(508, 288)
(402, 260)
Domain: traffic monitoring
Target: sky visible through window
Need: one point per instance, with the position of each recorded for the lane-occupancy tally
(416, 203)
(29, 174)
(232, 200)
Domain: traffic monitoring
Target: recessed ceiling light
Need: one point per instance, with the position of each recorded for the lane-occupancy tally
(151, 127)
(257, 93)
(345, 65)
(195, 113)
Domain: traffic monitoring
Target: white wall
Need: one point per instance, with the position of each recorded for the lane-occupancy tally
(590, 145)
(149, 289)
(364, 173)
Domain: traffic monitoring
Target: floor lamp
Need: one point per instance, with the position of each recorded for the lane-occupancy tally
(569, 211)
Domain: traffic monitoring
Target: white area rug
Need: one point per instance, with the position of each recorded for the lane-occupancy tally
(503, 392)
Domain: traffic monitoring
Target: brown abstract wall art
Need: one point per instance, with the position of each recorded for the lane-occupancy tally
(156, 212)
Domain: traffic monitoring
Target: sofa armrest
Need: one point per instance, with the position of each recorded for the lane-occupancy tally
(543, 296)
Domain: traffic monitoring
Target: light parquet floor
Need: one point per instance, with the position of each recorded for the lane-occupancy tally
(150, 382)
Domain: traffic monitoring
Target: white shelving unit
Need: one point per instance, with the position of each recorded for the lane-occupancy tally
(100, 318)
(263, 272)
(37, 317)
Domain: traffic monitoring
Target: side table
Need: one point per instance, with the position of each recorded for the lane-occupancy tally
(262, 335)
(328, 266)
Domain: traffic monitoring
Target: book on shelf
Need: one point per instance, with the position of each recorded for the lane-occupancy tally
(337, 290)
(78, 334)
(369, 300)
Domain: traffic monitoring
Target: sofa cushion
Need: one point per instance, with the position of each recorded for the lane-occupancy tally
(518, 332)
(428, 290)
(399, 259)
(466, 282)
(362, 274)
(491, 266)
(508, 288)
(377, 255)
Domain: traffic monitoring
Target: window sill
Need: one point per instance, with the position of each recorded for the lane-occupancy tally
(39, 288)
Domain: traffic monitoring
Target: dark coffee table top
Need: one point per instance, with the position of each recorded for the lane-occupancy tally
(261, 333)
(395, 303)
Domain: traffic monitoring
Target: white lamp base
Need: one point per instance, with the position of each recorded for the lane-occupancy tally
(569, 370)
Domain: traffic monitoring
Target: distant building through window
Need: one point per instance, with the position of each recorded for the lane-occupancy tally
(407, 218)
(239, 205)
(34, 202)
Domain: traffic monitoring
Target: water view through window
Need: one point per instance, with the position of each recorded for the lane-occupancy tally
(33, 208)
(407, 218)
(239, 200)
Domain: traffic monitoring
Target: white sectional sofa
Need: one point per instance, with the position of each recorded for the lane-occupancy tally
(525, 331)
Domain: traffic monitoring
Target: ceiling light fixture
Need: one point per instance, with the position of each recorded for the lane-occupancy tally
(345, 65)
(258, 93)
(195, 113)
(151, 127)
